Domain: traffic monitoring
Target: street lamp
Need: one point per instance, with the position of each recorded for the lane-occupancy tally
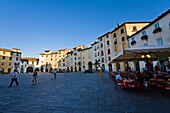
(142, 56)
(148, 56)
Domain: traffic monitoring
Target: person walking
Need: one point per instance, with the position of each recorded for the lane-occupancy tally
(101, 74)
(55, 74)
(14, 78)
(34, 81)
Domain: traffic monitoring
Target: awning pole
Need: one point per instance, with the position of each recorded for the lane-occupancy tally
(147, 61)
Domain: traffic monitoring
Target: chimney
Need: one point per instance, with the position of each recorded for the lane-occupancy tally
(118, 25)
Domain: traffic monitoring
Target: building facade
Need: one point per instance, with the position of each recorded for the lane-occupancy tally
(87, 59)
(113, 42)
(6, 60)
(95, 55)
(17, 58)
(74, 59)
(48, 61)
(156, 33)
(29, 65)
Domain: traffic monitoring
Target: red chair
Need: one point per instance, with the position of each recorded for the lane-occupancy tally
(120, 83)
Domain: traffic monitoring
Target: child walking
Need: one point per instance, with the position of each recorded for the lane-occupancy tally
(34, 78)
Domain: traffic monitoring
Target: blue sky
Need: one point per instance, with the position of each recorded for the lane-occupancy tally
(37, 25)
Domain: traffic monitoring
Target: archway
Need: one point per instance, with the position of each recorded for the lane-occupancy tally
(75, 69)
(103, 67)
(30, 70)
(46, 70)
(37, 69)
(71, 69)
(51, 69)
(9, 70)
(118, 66)
(68, 69)
(90, 66)
(2, 70)
(110, 67)
(79, 68)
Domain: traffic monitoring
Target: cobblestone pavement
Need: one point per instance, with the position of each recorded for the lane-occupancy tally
(76, 93)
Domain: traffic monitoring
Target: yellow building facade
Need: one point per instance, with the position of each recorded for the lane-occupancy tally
(120, 41)
(87, 59)
(6, 60)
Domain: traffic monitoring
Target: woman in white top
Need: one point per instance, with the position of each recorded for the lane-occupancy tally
(14, 78)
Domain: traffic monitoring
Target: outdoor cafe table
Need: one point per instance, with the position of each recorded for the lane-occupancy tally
(127, 82)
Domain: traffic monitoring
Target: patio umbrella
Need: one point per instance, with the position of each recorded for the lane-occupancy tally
(143, 53)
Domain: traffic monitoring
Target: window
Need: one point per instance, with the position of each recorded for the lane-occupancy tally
(75, 54)
(115, 42)
(11, 53)
(102, 59)
(46, 55)
(107, 36)
(146, 44)
(101, 53)
(21, 65)
(32, 62)
(100, 39)
(133, 38)
(63, 64)
(157, 25)
(109, 58)
(108, 42)
(75, 58)
(42, 55)
(98, 53)
(134, 28)
(114, 35)
(144, 33)
(121, 31)
(2, 64)
(83, 62)
(9, 64)
(71, 59)
(4, 52)
(17, 59)
(75, 63)
(3, 57)
(123, 39)
(51, 55)
(89, 55)
(63, 60)
(95, 47)
(41, 61)
(160, 42)
(89, 50)
(17, 54)
(108, 51)
(101, 45)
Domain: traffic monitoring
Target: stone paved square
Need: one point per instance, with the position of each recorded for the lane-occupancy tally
(76, 92)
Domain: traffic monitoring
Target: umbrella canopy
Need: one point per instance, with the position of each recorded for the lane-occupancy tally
(140, 53)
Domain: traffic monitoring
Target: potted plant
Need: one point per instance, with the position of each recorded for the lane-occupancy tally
(144, 37)
(157, 30)
(133, 42)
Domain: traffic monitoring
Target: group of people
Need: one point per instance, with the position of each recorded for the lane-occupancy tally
(34, 80)
(15, 75)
